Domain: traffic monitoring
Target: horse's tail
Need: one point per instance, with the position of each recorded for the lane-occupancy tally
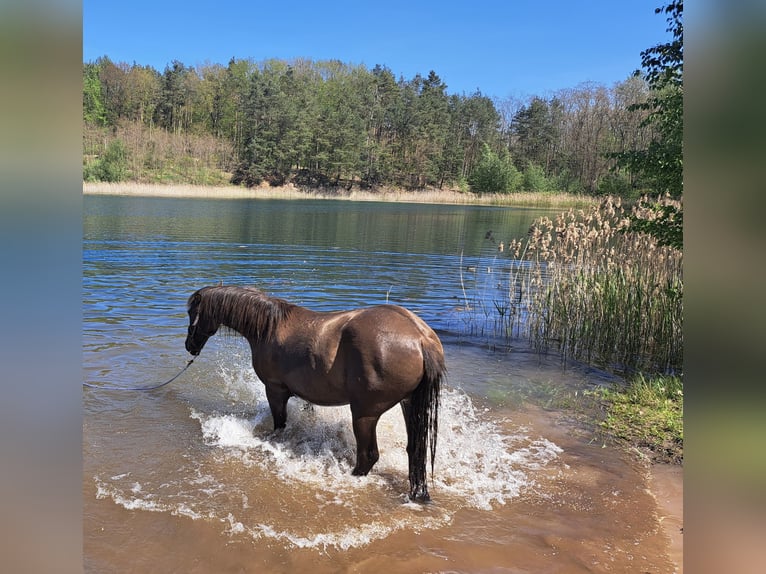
(423, 419)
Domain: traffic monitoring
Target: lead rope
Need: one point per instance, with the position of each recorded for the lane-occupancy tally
(113, 388)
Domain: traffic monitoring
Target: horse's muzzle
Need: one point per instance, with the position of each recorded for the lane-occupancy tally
(192, 348)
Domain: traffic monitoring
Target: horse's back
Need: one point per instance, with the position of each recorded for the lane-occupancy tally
(429, 337)
(390, 319)
(393, 334)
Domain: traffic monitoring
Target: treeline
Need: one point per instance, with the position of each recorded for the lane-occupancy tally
(326, 123)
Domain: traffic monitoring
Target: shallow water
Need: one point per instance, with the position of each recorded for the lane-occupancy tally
(191, 477)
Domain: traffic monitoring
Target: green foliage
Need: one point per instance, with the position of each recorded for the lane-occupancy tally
(326, 123)
(661, 162)
(534, 179)
(647, 413)
(462, 185)
(93, 110)
(174, 111)
(494, 174)
(615, 184)
(665, 222)
(536, 127)
(112, 166)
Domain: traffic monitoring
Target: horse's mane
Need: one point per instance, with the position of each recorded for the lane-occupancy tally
(245, 309)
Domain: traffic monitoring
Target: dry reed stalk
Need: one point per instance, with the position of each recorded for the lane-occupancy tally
(600, 292)
(293, 192)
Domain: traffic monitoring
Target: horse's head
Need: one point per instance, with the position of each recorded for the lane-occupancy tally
(201, 325)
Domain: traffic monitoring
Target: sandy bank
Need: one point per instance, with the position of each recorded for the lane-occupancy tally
(293, 192)
(282, 192)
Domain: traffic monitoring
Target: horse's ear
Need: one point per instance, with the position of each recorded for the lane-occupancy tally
(194, 300)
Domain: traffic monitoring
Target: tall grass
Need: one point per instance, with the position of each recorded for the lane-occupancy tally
(599, 292)
(290, 191)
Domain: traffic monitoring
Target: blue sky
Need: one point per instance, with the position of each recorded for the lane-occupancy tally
(505, 48)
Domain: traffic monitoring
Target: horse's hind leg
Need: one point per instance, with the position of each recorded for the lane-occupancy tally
(418, 486)
(366, 444)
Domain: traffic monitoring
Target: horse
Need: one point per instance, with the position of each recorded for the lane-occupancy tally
(370, 358)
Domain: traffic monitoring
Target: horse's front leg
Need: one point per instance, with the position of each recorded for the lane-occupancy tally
(278, 395)
(366, 444)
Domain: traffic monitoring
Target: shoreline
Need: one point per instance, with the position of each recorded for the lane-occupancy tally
(289, 191)
(665, 482)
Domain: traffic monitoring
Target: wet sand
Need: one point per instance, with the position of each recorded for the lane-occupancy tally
(666, 484)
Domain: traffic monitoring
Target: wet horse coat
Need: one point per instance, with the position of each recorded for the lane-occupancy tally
(370, 358)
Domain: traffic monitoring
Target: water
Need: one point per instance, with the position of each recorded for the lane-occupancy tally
(191, 478)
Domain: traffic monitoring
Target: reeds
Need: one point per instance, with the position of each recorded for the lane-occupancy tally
(599, 292)
(290, 191)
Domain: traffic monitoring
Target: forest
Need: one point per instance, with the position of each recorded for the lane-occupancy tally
(329, 124)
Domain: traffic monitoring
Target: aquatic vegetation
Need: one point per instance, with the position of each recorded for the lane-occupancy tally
(589, 286)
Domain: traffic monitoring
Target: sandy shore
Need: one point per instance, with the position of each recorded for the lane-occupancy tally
(293, 192)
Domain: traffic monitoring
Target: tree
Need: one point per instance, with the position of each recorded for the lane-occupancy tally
(177, 94)
(93, 110)
(330, 123)
(474, 121)
(661, 162)
(383, 93)
(342, 125)
(586, 137)
(113, 89)
(142, 85)
(261, 156)
(535, 128)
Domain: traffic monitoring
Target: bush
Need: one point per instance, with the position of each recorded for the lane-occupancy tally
(614, 184)
(534, 179)
(112, 166)
(494, 174)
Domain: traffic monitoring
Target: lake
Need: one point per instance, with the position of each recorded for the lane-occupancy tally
(191, 478)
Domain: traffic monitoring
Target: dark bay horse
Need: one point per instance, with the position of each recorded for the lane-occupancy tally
(370, 359)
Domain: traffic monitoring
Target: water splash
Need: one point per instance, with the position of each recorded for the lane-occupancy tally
(295, 485)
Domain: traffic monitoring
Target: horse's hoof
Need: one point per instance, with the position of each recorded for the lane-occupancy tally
(420, 495)
(357, 472)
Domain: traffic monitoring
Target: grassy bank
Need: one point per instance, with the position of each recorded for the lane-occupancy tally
(647, 415)
(523, 199)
